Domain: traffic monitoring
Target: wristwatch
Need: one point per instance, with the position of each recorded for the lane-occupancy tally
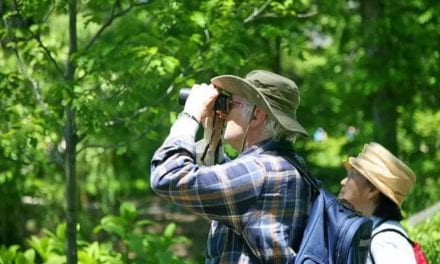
(188, 115)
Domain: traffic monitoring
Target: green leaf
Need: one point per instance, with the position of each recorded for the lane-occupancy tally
(41, 246)
(128, 210)
(61, 231)
(199, 19)
(30, 255)
(114, 225)
(144, 222)
(121, 150)
(169, 230)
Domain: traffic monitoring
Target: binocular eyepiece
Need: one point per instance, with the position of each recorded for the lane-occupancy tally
(221, 103)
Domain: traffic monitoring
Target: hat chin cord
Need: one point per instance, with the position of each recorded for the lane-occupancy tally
(247, 129)
(208, 145)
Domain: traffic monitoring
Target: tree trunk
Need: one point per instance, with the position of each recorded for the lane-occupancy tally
(71, 141)
(70, 171)
(385, 119)
(276, 64)
(383, 105)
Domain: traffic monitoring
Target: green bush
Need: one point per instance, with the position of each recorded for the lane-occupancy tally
(126, 241)
(135, 243)
(428, 235)
(50, 249)
(12, 255)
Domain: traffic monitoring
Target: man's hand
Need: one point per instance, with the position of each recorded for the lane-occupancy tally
(201, 101)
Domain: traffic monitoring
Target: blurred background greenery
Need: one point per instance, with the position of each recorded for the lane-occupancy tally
(88, 90)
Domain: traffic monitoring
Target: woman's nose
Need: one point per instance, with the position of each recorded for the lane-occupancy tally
(343, 181)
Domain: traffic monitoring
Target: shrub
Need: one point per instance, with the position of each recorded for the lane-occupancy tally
(126, 241)
(428, 235)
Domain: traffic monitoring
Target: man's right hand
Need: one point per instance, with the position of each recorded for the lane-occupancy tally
(201, 101)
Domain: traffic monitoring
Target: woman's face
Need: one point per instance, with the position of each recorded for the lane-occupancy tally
(356, 189)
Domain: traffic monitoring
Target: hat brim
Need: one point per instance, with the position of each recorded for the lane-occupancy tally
(243, 88)
(353, 163)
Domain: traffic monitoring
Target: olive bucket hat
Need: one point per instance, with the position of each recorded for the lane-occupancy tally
(274, 93)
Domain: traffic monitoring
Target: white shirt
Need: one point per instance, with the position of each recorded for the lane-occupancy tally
(390, 247)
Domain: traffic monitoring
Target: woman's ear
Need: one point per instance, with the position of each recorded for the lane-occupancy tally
(258, 118)
(373, 193)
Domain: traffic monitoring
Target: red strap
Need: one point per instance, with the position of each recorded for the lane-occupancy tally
(418, 252)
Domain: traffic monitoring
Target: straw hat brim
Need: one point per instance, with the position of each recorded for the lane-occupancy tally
(383, 188)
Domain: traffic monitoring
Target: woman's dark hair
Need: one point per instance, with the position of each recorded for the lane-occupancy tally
(387, 209)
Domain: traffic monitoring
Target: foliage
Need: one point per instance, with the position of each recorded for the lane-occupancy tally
(363, 73)
(378, 75)
(428, 236)
(12, 255)
(135, 246)
(126, 241)
(136, 243)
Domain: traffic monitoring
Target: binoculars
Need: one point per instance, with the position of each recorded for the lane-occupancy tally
(221, 103)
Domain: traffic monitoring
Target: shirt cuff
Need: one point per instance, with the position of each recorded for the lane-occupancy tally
(184, 126)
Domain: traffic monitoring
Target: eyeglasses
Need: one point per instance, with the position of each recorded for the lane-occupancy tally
(352, 173)
(233, 102)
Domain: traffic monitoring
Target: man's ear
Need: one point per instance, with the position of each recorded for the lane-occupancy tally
(258, 118)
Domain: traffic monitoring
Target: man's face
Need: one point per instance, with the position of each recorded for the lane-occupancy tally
(236, 122)
(355, 188)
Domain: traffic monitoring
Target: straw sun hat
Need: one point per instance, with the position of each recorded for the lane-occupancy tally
(384, 170)
(275, 94)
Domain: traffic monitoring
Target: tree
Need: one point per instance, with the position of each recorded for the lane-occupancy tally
(89, 87)
(87, 95)
(372, 69)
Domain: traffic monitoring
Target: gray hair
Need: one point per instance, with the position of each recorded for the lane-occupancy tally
(272, 128)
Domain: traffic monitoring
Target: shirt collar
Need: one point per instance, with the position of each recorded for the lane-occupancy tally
(265, 145)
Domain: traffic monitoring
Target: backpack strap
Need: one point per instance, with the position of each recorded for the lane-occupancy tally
(387, 230)
(380, 222)
(293, 158)
(395, 231)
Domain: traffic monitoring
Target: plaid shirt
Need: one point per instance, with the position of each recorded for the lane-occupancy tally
(258, 203)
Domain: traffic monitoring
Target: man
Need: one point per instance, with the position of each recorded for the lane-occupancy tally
(258, 202)
(376, 184)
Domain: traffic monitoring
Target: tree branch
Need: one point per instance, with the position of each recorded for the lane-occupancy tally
(40, 43)
(308, 14)
(257, 12)
(135, 114)
(34, 83)
(118, 145)
(4, 157)
(119, 121)
(45, 19)
(110, 20)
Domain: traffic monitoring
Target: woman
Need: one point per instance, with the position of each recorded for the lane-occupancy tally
(376, 184)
